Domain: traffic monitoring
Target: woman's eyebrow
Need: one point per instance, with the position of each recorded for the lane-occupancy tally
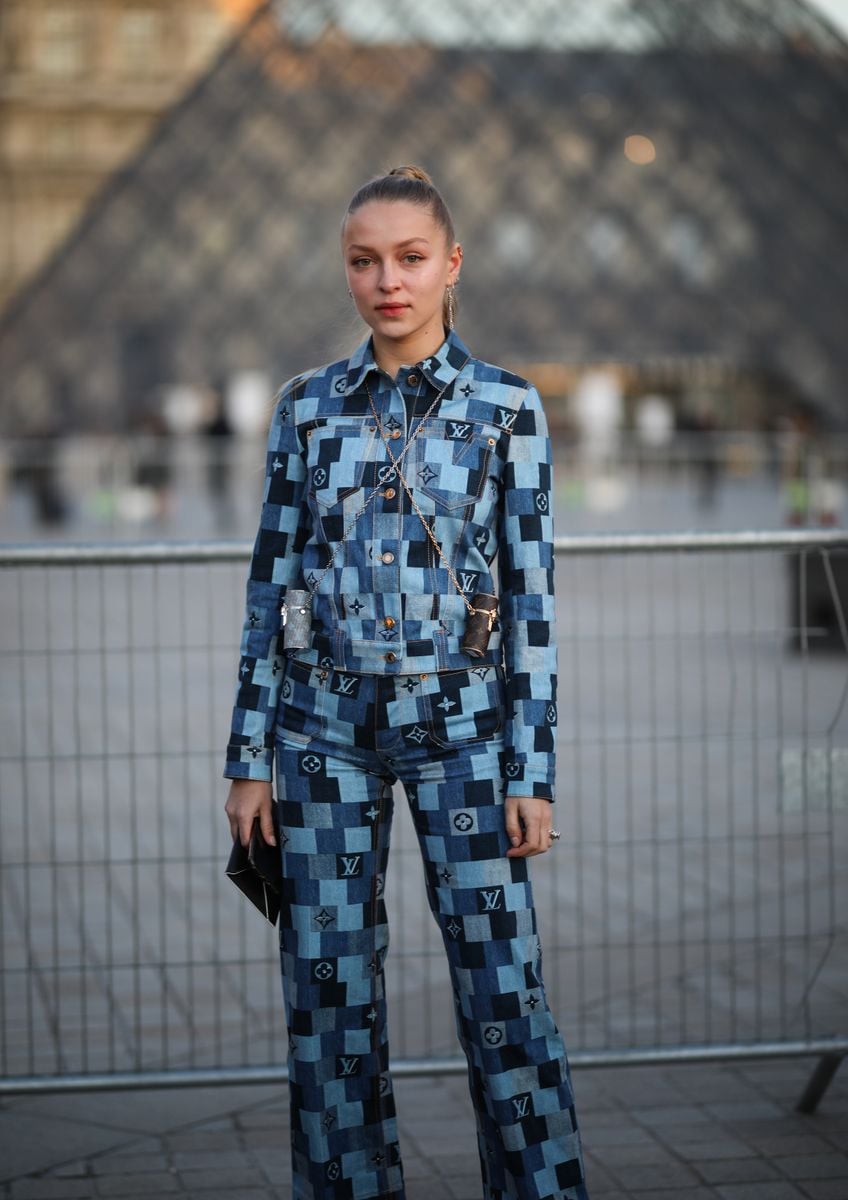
(399, 246)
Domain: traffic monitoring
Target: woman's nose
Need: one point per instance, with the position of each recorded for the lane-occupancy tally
(388, 278)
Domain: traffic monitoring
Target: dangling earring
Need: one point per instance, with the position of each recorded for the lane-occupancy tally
(451, 305)
(350, 293)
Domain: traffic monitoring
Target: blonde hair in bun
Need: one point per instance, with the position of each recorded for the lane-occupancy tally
(411, 184)
(412, 172)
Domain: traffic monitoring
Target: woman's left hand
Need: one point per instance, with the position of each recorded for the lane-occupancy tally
(528, 825)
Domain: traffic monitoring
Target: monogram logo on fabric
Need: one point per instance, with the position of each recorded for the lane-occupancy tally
(426, 474)
(347, 1065)
(340, 385)
(284, 415)
(492, 899)
(244, 669)
(541, 502)
(506, 419)
(386, 474)
(466, 390)
(392, 424)
(458, 432)
(454, 928)
(551, 714)
(319, 477)
(480, 539)
(468, 579)
(379, 886)
(324, 970)
(384, 1084)
(521, 1106)
(345, 685)
(253, 620)
(324, 918)
(417, 734)
(286, 689)
(276, 465)
(348, 866)
(512, 769)
(493, 1035)
(446, 704)
(480, 672)
(333, 1169)
(463, 822)
(311, 764)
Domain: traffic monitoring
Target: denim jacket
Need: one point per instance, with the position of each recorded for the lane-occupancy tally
(480, 471)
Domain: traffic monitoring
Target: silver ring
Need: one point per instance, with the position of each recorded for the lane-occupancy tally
(554, 834)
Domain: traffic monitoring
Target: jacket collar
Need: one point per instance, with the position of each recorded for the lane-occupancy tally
(441, 368)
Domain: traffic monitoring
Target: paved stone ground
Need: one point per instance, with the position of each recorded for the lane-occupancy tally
(703, 1132)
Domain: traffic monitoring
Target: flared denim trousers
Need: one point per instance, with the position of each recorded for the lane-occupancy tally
(342, 741)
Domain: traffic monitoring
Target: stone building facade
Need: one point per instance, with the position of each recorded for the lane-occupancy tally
(82, 82)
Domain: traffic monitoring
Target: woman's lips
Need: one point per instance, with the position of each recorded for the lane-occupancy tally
(391, 310)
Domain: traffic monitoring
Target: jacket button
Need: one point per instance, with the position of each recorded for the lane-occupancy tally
(388, 622)
(389, 493)
(387, 557)
(412, 379)
(391, 656)
(395, 434)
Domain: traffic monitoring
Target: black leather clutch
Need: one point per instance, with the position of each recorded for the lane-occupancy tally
(257, 869)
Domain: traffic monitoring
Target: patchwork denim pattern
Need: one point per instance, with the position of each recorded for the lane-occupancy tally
(480, 470)
(342, 740)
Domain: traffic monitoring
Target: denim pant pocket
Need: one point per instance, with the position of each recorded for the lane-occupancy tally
(300, 715)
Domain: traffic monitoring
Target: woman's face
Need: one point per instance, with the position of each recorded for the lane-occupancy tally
(398, 265)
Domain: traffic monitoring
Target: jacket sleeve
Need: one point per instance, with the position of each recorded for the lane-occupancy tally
(275, 566)
(527, 605)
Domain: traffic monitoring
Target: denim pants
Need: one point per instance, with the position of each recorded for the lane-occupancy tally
(342, 740)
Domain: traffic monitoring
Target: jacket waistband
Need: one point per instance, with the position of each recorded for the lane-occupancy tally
(410, 657)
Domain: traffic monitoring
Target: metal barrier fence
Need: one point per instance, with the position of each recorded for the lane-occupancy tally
(693, 909)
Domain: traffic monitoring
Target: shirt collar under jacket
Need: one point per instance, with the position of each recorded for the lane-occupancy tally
(440, 368)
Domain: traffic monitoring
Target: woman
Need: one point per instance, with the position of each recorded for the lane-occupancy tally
(394, 479)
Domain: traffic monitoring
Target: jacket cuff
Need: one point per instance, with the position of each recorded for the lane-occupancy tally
(539, 789)
(249, 762)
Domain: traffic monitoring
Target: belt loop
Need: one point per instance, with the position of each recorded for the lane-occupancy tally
(339, 653)
(440, 645)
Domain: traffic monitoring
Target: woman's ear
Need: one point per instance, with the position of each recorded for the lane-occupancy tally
(454, 264)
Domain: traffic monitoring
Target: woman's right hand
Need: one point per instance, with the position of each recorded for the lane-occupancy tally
(247, 799)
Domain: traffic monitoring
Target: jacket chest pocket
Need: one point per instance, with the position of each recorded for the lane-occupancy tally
(452, 463)
(337, 456)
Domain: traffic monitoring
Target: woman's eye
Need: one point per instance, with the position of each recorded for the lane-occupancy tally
(360, 262)
(414, 258)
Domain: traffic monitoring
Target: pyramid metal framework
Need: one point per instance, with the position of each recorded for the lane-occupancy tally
(217, 248)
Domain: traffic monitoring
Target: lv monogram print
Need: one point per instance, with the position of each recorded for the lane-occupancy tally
(480, 471)
(440, 735)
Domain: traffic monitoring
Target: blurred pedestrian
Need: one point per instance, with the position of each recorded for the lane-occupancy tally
(219, 434)
(395, 477)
